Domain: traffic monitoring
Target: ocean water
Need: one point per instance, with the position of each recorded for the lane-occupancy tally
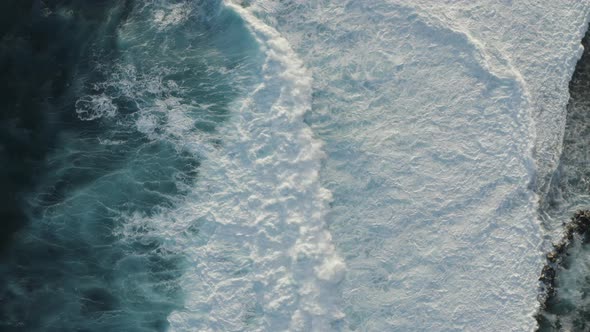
(209, 165)
(127, 99)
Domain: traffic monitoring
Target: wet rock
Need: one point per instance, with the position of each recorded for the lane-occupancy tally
(552, 257)
(574, 230)
(548, 274)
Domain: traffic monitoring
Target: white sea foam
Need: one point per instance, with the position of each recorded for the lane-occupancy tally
(441, 121)
(94, 107)
(437, 121)
(172, 15)
(542, 43)
(160, 115)
(260, 256)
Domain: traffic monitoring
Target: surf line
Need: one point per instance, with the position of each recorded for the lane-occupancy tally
(273, 165)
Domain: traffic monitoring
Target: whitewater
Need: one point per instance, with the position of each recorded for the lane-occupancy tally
(441, 125)
(320, 165)
(263, 259)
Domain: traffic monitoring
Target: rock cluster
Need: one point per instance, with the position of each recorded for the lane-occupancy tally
(578, 225)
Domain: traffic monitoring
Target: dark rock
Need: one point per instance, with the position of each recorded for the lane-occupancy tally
(578, 225)
(547, 275)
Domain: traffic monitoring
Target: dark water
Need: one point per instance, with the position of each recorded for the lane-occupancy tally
(39, 58)
(100, 100)
(569, 308)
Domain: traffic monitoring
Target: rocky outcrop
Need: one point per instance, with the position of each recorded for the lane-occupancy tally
(577, 229)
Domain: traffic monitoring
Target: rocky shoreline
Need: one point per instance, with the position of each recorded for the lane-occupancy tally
(577, 229)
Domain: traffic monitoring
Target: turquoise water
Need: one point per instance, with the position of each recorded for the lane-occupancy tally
(141, 102)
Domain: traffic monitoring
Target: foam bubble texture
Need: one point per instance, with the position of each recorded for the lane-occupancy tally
(441, 121)
(261, 257)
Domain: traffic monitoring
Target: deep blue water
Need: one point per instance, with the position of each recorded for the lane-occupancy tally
(100, 102)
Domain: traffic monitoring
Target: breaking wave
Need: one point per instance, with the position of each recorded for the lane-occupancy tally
(287, 165)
